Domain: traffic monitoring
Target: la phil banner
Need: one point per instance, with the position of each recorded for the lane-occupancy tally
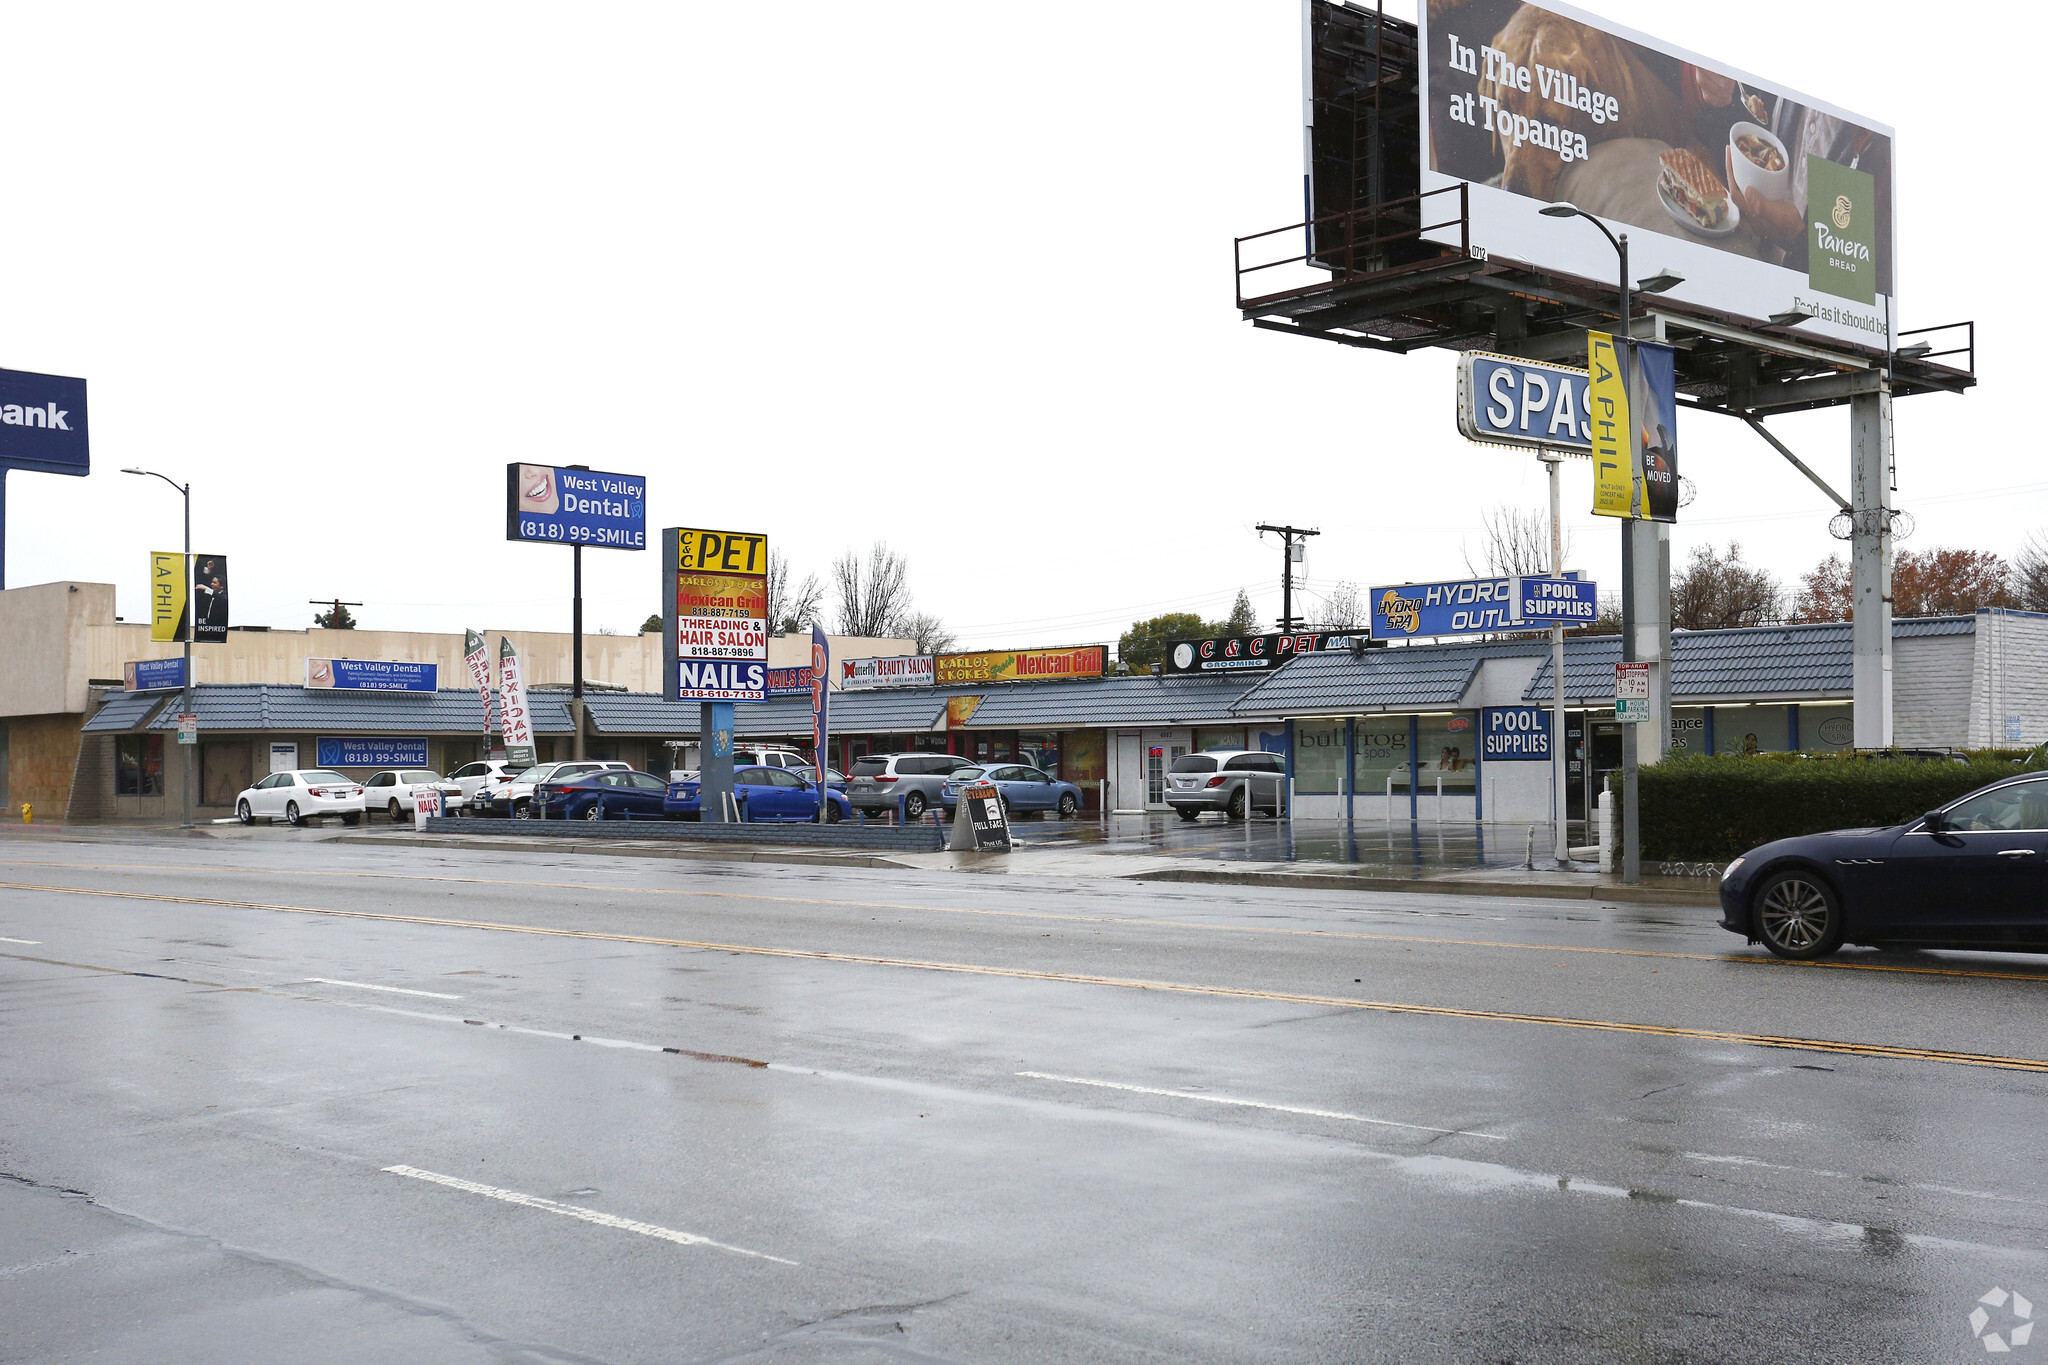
(1021, 665)
(1633, 391)
(575, 507)
(1764, 199)
(896, 670)
(716, 614)
(1226, 654)
(169, 584)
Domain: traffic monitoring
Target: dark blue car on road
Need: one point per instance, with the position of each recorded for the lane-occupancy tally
(616, 795)
(1973, 874)
(766, 795)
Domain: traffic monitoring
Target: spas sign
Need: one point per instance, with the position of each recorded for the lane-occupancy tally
(1523, 403)
(715, 614)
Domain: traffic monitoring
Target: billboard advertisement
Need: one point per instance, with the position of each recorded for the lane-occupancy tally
(380, 751)
(372, 675)
(896, 670)
(1633, 391)
(1021, 665)
(210, 599)
(153, 675)
(558, 506)
(42, 423)
(1764, 199)
(716, 614)
(1505, 401)
(1239, 654)
(168, 581)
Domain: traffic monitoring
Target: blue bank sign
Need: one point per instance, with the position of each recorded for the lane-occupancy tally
(376, 751)
(42, 423)
(372, 675)
(560, 506)
(1514, 734)
(1523, 403)
(153, 675)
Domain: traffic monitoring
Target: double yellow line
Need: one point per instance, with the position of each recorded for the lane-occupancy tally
(1824, 1045)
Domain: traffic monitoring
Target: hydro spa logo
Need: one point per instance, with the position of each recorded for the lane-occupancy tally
(2002, 1321)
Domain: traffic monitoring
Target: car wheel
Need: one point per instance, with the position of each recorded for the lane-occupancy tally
(291, 814)
(354, 817)
(1798, 916)
(1188, 815)
(1237, 803)
(522, 810)
(913, 806)
(832, 815)
(244, 814)
(1068, 805)
(395, 811)
(594, 811)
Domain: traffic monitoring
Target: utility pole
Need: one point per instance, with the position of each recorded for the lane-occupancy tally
(335, 613)
(1293, 540)
(576, 640)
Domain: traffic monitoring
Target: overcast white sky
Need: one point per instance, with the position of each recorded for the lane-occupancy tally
(957, 276)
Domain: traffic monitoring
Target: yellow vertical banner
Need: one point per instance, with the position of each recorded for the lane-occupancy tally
(168, 575)
(1614, 483)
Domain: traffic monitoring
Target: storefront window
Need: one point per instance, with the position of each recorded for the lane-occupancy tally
(1084, 758)
(1826, 729)
(1688, 731)
(1040, 751)
(1318, 755)
(1382, 752)
(1448, 747)
(139, 765)
(1206, 740)
(1749, 730)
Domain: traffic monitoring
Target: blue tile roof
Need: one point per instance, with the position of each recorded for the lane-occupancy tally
(1141, 699)
(876, 712)
(282, 709)
(125, 710)
(1341, 682)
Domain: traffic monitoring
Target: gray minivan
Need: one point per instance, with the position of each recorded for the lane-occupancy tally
(878, 780)
(1216, 780)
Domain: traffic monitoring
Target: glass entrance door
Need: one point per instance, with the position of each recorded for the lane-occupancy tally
(1162, 747)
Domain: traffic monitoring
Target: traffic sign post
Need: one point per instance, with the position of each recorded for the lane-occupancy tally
(1632, 692)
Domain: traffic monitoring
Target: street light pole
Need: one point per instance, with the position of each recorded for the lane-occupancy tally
(191, 625)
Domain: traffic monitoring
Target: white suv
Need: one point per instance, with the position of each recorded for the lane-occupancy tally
(1217, 779)
(515, 798)
(479, 780)
(751, 756)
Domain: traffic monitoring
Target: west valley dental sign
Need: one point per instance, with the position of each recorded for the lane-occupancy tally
(575, 507)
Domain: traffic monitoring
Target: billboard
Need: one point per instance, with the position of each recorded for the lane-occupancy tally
(370, 752)
(372, 675)
(715, 614)
(895, 670)
(168, 581)
(1226, 654)
(42, 423)
(1514, 402)
(1021, 665)
(1764, 199)
(153, 675)
(559, 506)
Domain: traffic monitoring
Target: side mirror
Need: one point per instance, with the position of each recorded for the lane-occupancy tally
(1935, 821)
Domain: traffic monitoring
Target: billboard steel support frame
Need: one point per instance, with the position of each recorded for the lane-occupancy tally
(1870, 568)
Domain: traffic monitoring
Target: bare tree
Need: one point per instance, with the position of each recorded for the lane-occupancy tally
(1344, 608)
(2030, 574)
(873, 592)
(1517, 542)
(1716, 591)
(929, 631)
(791, 609)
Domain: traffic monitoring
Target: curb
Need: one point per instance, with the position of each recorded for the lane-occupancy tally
(1447, 886)
(729, 854)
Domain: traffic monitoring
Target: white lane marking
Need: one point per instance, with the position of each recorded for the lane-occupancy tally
(395, 990)
(21, 940)
(608, 1220)
(1843, 1175)
(1259, 1104)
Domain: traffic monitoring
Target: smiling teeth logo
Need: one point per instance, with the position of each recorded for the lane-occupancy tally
(2016, 1329)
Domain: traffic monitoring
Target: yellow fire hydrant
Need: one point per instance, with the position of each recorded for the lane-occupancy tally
(28, 813)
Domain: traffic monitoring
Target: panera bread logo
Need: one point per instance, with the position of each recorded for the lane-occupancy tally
(1841, 252)
(1842, 212)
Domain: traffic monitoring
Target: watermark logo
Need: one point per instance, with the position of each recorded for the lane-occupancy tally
(2013, 1326)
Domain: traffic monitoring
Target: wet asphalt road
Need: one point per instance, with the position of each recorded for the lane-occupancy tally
(998, 1120)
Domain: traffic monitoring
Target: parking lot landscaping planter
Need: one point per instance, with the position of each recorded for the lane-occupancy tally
(922, 838)
(1700, 808)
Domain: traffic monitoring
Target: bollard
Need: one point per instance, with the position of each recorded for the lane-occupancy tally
(28, 813)
(1529, 858)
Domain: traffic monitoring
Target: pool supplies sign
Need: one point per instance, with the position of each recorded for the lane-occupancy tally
(558, 506)
(715, 614)
(1547, 601)
(1514, 734)
(1632, 692)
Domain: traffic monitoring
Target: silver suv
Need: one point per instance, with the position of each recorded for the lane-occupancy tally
(1216, 780)
(878, 780)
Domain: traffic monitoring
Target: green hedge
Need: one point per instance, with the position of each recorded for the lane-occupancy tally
(1700, 809)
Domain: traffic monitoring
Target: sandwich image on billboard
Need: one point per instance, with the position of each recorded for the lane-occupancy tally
(715, 614)
(1764, 199)
(560, 506)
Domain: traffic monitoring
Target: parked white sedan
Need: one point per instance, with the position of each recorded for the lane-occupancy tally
(396, 791)
(300, 795)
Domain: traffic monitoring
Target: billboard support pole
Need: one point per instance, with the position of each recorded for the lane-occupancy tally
(1870, 567)
(576, 643)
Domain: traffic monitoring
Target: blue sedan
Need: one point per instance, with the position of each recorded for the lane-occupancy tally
(766, 795)
(1022, 788)
(1973, 874)
(614, 795)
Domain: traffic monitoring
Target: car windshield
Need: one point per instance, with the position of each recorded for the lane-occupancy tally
(1195, 763)
(419, 777)
(539, 772)
(870, 767)
(513, 768)
(965, 774)
(325, 776)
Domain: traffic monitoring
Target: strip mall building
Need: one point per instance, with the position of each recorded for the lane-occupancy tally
(1397, 732)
